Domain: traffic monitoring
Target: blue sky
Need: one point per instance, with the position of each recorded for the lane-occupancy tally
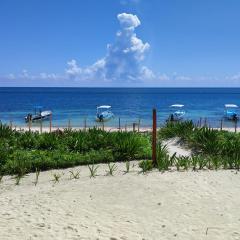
(76, 43)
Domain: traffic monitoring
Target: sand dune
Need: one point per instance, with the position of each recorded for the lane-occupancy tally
(170, 205)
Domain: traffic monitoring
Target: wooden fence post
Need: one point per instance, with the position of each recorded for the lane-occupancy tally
(41, 125)
(221, 124)
(85, 124)
(125, 127)
(69, 124)
(235, 126)
(50, 123)
(205, 122)
(29, 125)
(134, 126)
(119, 123)
(154, 138)
(138, 124)
(200, 122)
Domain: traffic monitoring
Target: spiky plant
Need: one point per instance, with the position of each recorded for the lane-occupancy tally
(93, 170)
(1, 177)
(146, 165)
(194, 162)
(74, 175)
(164, 161)
(202, 162)
(37, 173)
(214, 161)
(182, 162)
(111, 169)
(56, 177)
(127, 164)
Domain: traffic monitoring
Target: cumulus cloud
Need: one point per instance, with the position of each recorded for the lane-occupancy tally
(122, 64)
(123, 60)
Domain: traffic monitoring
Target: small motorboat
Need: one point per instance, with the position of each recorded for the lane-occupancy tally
(104, 113)
(38, 115)
(177, 112)
(230, 112)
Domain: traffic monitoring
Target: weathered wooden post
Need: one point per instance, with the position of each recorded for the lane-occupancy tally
(205, 122)
(235, 126)
(125, 127)
(154, 138)
(85, 123)
(11, 124)
(134, 126)
(119, 123)
(41, 125)
(200, 123)
(221, 124)
(69, 124)
(138, 124)
(29, 125)
(103, 125)
(50, 123)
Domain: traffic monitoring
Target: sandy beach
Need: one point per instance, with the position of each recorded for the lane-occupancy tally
(110, 129)
(170, 205)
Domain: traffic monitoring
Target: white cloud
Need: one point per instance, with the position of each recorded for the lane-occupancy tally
(73, 68)
(121, 65)
(128, 21)
(122, 62)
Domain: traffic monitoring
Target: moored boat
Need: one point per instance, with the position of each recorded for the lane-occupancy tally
(104, 113)
(177, 112)
(38, 115)
(230, 112)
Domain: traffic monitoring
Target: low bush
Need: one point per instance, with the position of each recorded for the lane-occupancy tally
(68, 148)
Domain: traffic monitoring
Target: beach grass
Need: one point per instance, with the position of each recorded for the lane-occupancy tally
(56, 177)
(212, 148)
(24, 152)
(127, 164)
(67, 148)
(37, 173)
(74, 174)
(111, 169)
(93, 170)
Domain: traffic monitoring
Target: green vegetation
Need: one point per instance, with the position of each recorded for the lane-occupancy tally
(146, 165)
(56, 177)
(23, 152)
(93, 170)
(37, 176)
(1, 177)
(74, 175)
(213, 149)
(111, 169)
(127, 164)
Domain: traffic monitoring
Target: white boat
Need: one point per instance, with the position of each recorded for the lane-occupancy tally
(177, 112)
(104, 113)
(38, 115)
(230, 112)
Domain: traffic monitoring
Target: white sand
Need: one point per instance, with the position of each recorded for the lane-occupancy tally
(173, 146)
(170, 205)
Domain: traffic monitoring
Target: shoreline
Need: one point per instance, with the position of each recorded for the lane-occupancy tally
(113, 129)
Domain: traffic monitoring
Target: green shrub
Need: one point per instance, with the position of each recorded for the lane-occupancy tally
(164, 161)
(146, 165)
